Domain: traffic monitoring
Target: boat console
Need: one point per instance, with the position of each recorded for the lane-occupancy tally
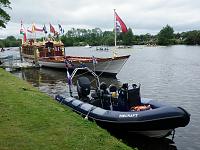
(108, 97)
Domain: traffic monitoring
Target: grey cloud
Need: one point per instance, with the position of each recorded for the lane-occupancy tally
(143, 15)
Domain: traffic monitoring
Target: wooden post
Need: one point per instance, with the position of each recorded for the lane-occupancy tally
(20, 52)
(35, 56)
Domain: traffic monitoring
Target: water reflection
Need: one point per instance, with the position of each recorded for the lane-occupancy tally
(145, 143)
(53, 81)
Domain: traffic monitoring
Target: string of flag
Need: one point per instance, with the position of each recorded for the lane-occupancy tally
(43, 29)
(120, 26)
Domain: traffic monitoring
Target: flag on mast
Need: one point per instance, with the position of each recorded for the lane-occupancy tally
(61, 29)
(52, 29)
(34, 28)
(23, 32)
(45, 29)
(122, 24)
(39, 30)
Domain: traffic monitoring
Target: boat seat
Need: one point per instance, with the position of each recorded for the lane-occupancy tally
(105, 96)
(122, 98)
(112, 88)
(134, 98)
(103, 86)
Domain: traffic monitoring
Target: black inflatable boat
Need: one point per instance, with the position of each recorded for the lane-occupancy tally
(122, 110)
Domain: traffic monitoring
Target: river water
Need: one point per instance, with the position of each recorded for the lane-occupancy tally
(169, 74)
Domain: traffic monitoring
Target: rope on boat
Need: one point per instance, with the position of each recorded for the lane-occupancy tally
(86, 117)
(105, 68)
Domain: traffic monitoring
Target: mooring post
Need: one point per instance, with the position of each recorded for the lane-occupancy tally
(36, 53)
(20, 52)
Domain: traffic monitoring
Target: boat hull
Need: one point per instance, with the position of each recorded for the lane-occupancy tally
(106, 65)
(154, 133)
(157, 122)
(58, 65)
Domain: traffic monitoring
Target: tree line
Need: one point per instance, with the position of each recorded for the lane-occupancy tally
(97, 37)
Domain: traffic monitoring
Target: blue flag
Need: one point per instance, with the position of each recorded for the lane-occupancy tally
(61, 29)
(45, 29)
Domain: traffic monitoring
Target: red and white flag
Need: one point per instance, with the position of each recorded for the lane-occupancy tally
(122, 24)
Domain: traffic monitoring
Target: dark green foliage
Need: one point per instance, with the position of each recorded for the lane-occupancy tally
(97, 37)
(4, 17)
(108, 38)
(94, 37)
(10, 41)
(79, 37)
(166, 35)
(127, 38)
(192, 38)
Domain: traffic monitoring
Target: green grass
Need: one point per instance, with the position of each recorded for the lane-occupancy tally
(30, 120)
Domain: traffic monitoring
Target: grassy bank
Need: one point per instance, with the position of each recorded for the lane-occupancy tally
(30, 119)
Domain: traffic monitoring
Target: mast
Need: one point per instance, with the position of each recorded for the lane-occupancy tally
(115, 29)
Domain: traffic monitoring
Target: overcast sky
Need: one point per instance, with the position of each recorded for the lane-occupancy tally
(143, 16)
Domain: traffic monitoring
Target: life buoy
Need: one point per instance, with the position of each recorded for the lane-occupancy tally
(141, 107)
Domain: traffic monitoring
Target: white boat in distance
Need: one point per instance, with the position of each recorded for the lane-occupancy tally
(88, 46)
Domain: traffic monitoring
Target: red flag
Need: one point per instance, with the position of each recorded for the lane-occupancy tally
(24, 37)
(122, 24)
(52, 30)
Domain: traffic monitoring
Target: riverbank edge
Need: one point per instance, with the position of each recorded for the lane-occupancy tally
(30, 119)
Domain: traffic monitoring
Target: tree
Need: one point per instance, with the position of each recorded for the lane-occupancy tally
(4, 17)
(192, 38)
(165, 36)
(127, 37)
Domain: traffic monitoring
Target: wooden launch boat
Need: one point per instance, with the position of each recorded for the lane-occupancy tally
(52, 54)
(125, 111)
(34, 51)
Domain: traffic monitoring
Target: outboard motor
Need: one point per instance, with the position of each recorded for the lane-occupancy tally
(83, 88)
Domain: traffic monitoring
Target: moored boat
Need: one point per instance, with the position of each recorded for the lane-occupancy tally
(33, 51)
(107, 65)
(123, 110)
(51, 54)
